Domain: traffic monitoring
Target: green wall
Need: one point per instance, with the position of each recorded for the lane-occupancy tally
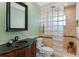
(33, 23)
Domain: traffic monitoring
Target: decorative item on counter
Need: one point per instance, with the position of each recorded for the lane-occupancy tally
(10, 42)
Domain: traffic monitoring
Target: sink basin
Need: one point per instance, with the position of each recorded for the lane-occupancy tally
(19, 43)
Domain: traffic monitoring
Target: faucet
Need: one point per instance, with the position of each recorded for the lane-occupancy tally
(16, 38)
(12, 41)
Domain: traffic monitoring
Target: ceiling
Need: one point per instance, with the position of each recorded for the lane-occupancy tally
(46, 3)
(42, 3)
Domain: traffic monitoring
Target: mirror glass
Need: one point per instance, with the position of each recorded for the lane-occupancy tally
(17, 16)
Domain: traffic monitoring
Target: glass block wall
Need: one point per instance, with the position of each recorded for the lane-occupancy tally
(53, 21)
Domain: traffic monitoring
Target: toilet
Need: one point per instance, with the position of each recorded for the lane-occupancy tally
(43, 50)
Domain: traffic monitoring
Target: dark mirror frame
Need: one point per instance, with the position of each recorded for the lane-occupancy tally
(8, 9)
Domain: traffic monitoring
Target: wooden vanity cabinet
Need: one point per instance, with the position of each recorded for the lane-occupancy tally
(29, 51)
(33, 50)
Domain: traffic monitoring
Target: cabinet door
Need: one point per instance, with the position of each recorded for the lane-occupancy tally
(20, 52)
(33, 49)
(10, 54)
(28, 51)
(24, 52)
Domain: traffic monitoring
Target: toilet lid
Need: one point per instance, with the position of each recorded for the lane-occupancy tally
(47, 48)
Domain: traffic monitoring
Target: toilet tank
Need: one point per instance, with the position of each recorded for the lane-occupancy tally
(39, 43)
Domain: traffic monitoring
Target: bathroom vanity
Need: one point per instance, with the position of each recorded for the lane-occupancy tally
(27, 49)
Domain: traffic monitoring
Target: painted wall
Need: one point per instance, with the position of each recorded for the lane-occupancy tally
(70, 28)
(33, 23)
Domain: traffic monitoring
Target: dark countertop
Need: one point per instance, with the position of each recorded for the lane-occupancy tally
(4, 48)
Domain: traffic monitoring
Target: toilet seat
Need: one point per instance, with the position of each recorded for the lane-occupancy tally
(47, 49)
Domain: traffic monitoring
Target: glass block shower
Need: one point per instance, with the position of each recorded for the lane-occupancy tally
(53, 21)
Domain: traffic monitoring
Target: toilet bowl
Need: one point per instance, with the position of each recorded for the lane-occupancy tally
(45, 51)
(48, 51)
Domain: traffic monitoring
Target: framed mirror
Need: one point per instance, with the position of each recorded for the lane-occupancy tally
(16, 16)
